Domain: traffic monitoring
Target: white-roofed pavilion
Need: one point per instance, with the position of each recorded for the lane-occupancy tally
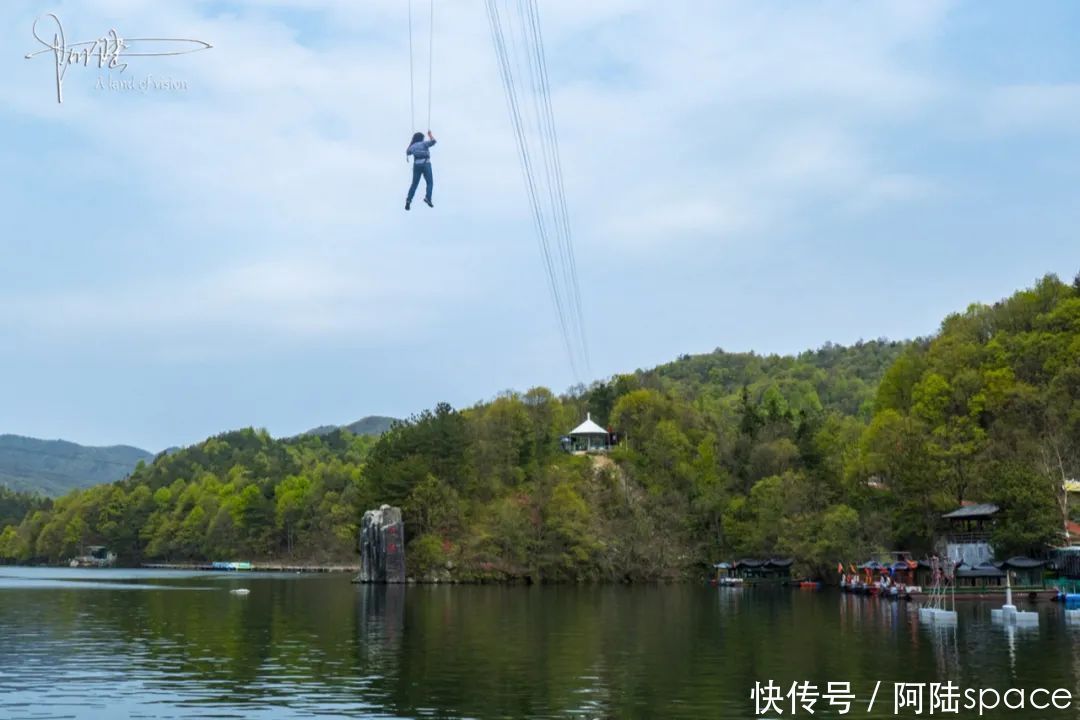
(589, 437)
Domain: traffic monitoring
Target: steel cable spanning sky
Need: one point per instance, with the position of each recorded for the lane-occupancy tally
(518, 40)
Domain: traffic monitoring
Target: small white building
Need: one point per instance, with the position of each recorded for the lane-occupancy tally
(970, 529)
(589, 437)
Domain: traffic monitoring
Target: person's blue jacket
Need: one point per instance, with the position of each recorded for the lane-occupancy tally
(420, 151)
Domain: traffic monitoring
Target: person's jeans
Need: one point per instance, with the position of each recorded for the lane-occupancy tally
(419, 169)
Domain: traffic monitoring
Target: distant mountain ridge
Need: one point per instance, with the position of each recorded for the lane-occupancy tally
(370, 425)
(56, 467)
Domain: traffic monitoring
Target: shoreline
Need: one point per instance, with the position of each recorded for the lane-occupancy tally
(257, 567)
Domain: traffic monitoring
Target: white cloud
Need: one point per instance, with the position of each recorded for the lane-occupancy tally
(273, 186)
(702, 145)
(293, 299)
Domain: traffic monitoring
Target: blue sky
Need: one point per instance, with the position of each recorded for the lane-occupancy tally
(744, 175)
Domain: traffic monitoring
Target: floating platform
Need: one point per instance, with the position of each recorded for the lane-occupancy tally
(1009, 614)
(1032, 595)
(937, 615)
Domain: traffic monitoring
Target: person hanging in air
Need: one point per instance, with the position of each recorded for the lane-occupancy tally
(420, 149)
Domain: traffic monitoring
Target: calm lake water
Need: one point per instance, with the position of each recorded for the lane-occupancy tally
(109, 644)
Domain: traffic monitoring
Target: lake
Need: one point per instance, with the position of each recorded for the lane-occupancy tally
(113, 643)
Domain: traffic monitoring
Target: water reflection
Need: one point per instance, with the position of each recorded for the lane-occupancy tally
(380, 625)
(303, 646)
(945, 640)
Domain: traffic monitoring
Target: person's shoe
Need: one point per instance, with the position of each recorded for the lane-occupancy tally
(428, 201)
(408, 204)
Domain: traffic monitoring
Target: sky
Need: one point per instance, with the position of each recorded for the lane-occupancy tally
(764, 176)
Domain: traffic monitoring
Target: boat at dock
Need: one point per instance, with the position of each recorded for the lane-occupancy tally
(753, 571)
(94, 556)
(906, 579)
(895, 580)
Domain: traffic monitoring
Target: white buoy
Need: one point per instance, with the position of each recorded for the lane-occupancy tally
(239, 591)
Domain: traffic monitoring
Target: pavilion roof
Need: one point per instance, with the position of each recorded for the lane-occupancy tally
(1021, 563)
(980, 570)
(588, 428)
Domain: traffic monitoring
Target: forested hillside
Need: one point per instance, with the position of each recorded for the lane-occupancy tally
(989, 410)
(14, 505)
(826, 456)
(54, 467)
(241, 494)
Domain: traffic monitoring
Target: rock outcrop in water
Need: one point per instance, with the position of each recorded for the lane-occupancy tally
(382, 546)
